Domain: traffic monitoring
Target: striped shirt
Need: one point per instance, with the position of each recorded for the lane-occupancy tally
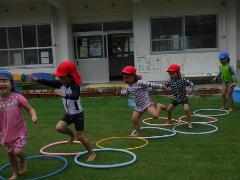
(139, 92)
(178, 88)
(71, 101)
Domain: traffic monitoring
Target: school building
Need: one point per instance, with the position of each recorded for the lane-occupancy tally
(102, 36)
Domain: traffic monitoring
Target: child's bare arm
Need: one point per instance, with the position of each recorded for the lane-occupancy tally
(31, 112)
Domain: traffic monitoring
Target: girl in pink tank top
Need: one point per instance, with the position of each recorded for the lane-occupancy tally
(13, 130)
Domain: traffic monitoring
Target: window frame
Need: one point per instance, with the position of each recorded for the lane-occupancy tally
(22, 49)
(184, 50)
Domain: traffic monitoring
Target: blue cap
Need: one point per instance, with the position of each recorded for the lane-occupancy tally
(6, 74)
(223, 54)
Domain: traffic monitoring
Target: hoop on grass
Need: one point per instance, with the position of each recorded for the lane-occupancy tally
(37, 157)
(172, 133)
(102, 166)
(43, 149)
(223, 112)
(208, 118)
(160, 124)
(128, 148)
(215, 129)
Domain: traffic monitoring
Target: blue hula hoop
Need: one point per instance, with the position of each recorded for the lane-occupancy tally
(173, 133)
(215, 129)
(36, 157)
(223, 112)
(101, 166)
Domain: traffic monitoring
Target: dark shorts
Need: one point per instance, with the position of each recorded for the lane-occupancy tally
(175, 103)
(76, 119)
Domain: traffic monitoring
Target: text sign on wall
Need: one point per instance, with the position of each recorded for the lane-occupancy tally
(192, 64)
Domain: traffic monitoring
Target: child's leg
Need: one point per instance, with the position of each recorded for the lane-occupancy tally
(169, 110)
(160, 107)
(188, 113)
(13, 164)
(154, 111)
(87, 145)
(62, 127)
(135, 119)
(230, 96)
(18, 152)
(224, 92)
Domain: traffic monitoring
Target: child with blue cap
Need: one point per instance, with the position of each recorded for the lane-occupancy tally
(228, 77)
(13, 129)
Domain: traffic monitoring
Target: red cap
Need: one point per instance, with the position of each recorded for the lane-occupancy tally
(129, 70)
(174, 68)
(68, 67)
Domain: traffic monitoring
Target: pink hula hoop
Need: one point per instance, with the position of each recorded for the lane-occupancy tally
(44, 148)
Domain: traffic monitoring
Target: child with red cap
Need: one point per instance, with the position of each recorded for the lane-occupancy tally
(13, 129)
(178, 90)
(137, 89)
(69, 91)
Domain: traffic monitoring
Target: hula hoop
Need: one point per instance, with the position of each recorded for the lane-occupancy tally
(161, 125)
(215, 129)
(129, 148)
(173, 133)
(211, 119)
(102, 166)
(224, 112)
(36, 157)
(42, 150)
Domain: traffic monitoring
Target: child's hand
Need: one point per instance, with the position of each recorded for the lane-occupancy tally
(59, 93)
(189, 91)
(34, 119)
(214, 79)
(233, 84)
(118, 93)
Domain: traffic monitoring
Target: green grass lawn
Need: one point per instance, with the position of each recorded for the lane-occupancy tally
(183, 157)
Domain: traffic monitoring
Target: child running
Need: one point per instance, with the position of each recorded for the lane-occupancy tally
(69, 91)
(137, 89)
(13, 130)
(229, 79)
(177, 85)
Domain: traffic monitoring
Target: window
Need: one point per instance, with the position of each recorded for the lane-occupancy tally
(90, 39)
(3, 38)
(4, 58)
(200, 32)
(44, 35)
(14, 37)
(120, 45)
(179, 33)
(29, 36)
(25, 45)
(90, 47)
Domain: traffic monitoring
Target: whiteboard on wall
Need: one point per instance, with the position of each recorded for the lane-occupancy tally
(192, 64)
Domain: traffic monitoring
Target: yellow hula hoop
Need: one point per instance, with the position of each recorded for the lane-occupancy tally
(161, 125)
(128, 148)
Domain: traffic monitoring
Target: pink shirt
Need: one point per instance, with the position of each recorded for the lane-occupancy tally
(12, 124)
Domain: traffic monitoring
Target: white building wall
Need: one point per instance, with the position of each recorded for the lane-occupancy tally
(194, 63)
